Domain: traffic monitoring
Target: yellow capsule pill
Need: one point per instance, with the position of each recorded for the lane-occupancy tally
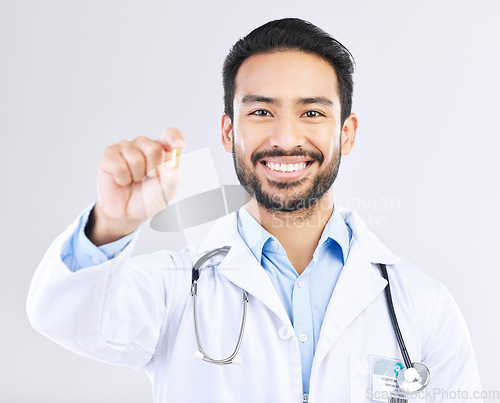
(176, 157)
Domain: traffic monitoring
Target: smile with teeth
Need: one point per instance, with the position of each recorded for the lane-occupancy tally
(286, 167)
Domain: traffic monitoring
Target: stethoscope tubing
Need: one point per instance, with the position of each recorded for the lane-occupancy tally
(394, 320)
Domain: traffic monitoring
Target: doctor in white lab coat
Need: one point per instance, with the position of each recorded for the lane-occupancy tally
(138, 311)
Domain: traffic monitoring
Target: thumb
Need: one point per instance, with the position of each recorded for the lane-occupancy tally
(171, 139)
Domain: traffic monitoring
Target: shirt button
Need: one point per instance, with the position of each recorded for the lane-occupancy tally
(274, 244)
(96, 260)
(300, 283)
(303, 337)
(284, 333)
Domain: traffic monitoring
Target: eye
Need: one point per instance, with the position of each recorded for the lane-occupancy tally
(312, 114)
(261, 112)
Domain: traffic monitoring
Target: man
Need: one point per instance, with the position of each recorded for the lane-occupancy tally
(316, 320)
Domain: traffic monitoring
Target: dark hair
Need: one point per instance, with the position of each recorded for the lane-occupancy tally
(290, 34)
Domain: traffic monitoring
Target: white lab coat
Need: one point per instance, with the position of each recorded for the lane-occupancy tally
(138, 311)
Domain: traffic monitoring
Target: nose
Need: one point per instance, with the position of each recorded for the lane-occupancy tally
(287, 134)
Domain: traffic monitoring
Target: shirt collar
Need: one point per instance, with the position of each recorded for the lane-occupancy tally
(255, 236)
(337, 230)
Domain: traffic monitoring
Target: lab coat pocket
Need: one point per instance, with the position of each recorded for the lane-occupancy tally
(359, 378)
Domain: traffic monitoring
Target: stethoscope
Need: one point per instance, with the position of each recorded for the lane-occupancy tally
(413, 378)
(416, 375)
(234, 358)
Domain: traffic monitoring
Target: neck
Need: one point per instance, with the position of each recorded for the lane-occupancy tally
(298, 231)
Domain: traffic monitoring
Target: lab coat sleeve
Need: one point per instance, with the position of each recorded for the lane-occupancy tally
(448, 353)
(112, 312)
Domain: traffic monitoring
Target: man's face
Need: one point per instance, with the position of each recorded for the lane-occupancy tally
(286, 129)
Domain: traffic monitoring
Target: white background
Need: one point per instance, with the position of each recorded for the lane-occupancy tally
(76, 76)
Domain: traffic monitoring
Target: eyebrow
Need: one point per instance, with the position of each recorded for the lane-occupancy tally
(253, 98)
(315, 100)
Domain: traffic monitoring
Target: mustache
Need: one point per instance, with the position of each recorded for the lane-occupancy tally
(279, 152)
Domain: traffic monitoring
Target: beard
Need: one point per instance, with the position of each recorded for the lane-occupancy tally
(298, 200)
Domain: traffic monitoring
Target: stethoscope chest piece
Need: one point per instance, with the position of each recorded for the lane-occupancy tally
(413, 379)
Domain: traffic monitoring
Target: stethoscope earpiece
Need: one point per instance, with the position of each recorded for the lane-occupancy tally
(237, 360)
(197, 355)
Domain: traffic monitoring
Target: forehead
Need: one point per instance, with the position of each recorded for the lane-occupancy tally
(286, 75)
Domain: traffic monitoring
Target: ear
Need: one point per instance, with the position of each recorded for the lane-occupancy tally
(227, 133)
(349, 134)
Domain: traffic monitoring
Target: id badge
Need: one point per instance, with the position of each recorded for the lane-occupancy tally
(384, 372)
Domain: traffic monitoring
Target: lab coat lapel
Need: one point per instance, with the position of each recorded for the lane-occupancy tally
(241, 267)
(357, 287)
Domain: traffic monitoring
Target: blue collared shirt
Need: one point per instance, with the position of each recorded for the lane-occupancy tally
(304, 297)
